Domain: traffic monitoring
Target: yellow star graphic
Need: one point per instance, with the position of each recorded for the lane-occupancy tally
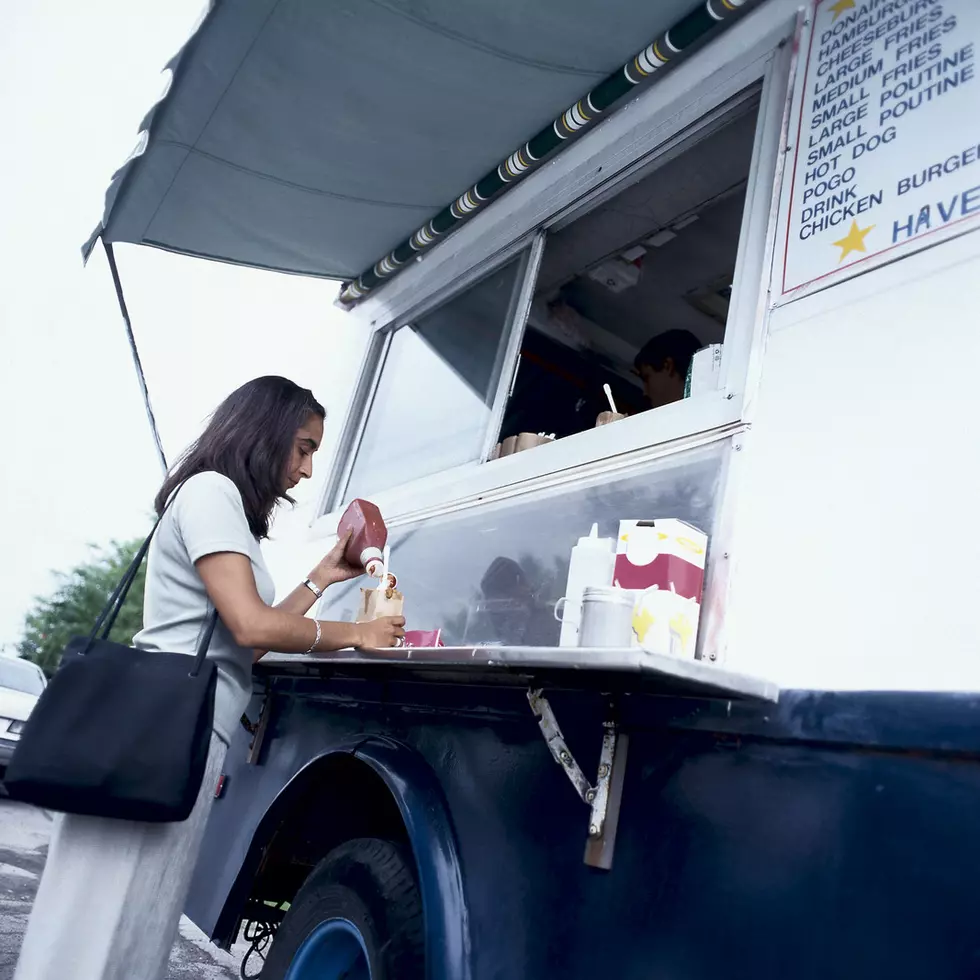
(841, 5)
(853, 241)
(642, 622)
(681, 626)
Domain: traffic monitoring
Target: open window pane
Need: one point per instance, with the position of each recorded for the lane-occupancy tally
(648, 270)
(433, 402)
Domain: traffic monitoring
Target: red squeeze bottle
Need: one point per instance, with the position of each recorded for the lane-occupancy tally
(366, 545)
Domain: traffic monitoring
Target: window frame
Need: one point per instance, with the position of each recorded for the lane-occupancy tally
(602, 163)
(379, 344)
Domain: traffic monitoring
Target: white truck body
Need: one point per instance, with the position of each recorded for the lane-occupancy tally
(840, 558)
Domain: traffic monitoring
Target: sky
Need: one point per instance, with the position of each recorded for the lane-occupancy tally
(77, 464)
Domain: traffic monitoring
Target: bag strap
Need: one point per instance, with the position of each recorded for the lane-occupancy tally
(202, 647)
(112, 608)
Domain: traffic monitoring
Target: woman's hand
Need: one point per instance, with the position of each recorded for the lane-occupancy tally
(381, 634)
(334, 566)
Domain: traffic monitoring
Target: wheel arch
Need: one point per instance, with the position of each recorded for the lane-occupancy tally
(384, 788)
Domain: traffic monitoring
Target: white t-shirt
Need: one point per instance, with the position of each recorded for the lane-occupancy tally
(204, 518)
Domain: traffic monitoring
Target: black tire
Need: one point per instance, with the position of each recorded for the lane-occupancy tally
(370, 883)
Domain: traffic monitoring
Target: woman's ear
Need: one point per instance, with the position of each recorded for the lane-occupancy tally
(670, 367)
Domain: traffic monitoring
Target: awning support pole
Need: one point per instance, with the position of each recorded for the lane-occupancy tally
(135, 352)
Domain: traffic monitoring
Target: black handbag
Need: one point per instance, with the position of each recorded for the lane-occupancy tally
(119, 732)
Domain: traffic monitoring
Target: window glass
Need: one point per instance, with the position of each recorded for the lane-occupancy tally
(492, 575)
(433, 402)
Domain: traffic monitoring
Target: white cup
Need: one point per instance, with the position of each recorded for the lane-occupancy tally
(562, 613)
(666, 623)
(607, 617)
(568, 612)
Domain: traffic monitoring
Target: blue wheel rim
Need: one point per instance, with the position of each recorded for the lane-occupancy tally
(335, 950)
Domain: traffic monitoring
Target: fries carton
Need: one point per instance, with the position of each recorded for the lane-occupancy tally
(667, 553)
(664, 561)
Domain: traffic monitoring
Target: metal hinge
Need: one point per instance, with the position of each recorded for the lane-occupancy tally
(605, 796)
(259, 730)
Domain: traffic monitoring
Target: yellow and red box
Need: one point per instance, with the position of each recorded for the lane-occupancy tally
(667, 553)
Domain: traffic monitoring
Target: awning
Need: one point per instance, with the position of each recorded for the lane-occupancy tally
(335, 139)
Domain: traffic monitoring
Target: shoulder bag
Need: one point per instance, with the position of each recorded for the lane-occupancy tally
(119, 732)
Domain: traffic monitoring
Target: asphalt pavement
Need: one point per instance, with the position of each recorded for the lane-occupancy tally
(24, 833)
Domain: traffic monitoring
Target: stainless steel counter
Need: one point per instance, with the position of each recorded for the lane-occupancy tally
(518, 664)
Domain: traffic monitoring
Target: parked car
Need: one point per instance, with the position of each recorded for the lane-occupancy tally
(21, 684)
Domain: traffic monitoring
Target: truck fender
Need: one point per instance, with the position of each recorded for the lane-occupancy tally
(424, 811)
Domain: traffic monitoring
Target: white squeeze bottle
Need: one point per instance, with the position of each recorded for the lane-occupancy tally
(591, 563)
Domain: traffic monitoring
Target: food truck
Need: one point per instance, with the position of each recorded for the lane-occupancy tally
(517, 199)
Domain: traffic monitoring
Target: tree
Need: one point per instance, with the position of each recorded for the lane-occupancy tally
(74, 606)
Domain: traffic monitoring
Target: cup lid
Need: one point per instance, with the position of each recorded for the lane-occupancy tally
(607, 593)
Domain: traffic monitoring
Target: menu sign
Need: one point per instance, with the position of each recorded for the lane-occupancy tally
(887, 151)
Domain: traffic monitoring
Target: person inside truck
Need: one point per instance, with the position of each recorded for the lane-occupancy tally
(559, 389)
(662, 365)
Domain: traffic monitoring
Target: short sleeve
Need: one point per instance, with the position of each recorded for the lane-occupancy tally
(210, 518)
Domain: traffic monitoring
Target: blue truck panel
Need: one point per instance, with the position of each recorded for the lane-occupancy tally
(828, 835)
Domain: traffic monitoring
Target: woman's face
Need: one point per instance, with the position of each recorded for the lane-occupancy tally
(305, 443)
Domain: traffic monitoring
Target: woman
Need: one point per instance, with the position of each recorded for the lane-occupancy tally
(112, 892)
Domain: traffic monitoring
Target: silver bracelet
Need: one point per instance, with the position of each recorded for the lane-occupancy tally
(316, 642)
(312, 587)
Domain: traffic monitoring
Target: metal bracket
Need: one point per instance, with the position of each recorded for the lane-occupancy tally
(604, 798)
(258, 735)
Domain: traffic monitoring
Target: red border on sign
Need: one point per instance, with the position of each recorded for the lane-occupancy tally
(792, 190)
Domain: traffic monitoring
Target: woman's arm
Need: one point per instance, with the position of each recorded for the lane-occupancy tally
(230, 584)
(332, 568)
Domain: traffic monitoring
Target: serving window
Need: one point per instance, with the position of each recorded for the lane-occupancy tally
(492, 575)
(626, 307)
(634, 294)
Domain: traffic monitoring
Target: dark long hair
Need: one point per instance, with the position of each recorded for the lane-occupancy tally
(249, 439)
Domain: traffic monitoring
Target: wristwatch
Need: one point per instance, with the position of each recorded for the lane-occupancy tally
(317, 592)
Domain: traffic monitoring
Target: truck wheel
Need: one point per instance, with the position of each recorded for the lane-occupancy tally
(358, 916)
